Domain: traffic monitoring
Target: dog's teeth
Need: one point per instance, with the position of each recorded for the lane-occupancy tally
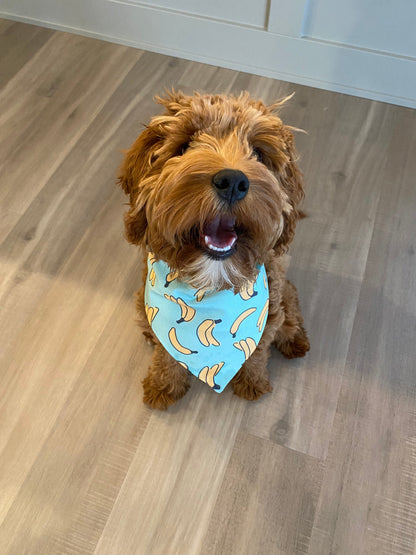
(218, 249)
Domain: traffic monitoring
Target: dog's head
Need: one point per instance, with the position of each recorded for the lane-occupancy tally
(213, 186)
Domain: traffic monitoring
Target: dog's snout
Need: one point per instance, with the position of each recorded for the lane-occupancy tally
(231, 185)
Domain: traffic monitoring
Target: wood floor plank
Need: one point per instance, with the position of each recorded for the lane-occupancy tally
(89, 276)
(48, 105)
(206, 78)
(180, 476)
(32, 390)
(69, 491)
(267, 89)
(40, 387)
(18, 299)
(368, 500)
(267, 500)
(18, 44)
(7, 221)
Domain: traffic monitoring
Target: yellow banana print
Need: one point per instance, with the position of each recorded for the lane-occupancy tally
(203, 374)
(204, 332)
(200, 294)
(266, 286)
(262, 317)
(152, 277)
(207, 374)
(187, 312)
(237, 322)
(247, 346)
(151, 312)
(152, 258)
(247, 291)
(176, 345)
(170, 277)
(184, 365)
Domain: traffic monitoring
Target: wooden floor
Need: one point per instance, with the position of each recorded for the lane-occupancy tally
(326, 464)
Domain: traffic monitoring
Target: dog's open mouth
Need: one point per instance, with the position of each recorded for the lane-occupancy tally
(219, 236)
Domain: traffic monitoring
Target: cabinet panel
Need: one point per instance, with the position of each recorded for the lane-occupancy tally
(246, 12)
(383, 25)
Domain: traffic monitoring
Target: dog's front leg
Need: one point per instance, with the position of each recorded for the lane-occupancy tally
(166, 382)
(252, 380)
(291, 338)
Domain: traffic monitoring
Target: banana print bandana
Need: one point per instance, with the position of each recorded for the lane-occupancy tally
(211, 333)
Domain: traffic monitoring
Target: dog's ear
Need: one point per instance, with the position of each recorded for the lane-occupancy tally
(136, 166)
(290, 178)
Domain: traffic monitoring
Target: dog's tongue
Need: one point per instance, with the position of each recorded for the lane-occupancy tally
(220, 232)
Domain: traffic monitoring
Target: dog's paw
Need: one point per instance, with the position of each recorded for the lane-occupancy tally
(161, 399)
(251, 390)
(296, 347)
(158, 399)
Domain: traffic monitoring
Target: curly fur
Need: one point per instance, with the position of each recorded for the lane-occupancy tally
(167, 174)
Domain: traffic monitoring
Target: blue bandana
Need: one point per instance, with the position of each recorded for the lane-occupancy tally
(210, 333)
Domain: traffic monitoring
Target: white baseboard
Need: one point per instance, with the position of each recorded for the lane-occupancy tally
(334, 67)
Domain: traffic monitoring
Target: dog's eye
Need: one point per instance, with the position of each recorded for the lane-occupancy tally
(257, 153)
(183, 148)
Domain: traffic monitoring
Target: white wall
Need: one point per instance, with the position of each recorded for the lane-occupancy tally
(303, 41)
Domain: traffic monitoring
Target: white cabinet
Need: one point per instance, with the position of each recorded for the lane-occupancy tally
(361, 47)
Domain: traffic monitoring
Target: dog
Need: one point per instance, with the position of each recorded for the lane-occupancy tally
(214, 192)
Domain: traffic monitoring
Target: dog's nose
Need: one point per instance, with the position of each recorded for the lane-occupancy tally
(231, 185)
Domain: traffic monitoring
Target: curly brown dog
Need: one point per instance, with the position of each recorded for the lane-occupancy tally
(214, 194)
